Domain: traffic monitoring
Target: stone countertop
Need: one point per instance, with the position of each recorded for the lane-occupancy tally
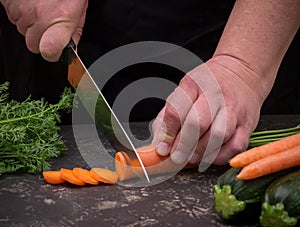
(184, 200)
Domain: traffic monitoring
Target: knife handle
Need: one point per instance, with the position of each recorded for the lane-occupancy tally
(68, 54)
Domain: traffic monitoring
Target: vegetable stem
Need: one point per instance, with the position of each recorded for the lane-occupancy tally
(38, 114)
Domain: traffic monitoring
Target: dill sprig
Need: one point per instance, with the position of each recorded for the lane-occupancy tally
(29, 132)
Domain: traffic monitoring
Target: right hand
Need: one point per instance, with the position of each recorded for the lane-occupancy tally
(48, 25)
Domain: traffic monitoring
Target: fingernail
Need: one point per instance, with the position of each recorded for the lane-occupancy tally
(178, 157)
(163, 148)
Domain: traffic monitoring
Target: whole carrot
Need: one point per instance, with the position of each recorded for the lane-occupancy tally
(270, 164)
(260, 152)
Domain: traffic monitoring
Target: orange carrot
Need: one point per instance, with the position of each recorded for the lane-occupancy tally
(84, 175)
(270, 164)
(69, 176)
(123, 168)
(104, 175)
(149, 156)
(53, 177)
(153, 162)
(260, 152)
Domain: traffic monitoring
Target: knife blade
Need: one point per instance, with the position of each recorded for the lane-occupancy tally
(105, 119)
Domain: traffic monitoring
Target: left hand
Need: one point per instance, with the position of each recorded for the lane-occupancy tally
(222, 105)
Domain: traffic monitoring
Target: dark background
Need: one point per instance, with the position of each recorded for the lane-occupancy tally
(195, 25)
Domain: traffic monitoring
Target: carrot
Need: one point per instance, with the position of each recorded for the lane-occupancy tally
(260, 152)
(153, 162)
(69, 176)
(149, 156)
(270, 164)
(85, 176)
(123, 168)
(104, 175)
(53, 177)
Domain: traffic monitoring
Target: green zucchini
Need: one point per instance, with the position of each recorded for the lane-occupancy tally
(233, 196)
(281, 206)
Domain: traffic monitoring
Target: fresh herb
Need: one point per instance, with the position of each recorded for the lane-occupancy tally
(29, 132)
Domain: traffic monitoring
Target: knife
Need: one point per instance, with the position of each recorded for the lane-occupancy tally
(105, 119)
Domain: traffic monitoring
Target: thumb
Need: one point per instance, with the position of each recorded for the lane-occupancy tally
(55, 39)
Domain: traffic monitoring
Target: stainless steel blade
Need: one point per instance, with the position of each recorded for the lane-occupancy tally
(102, 114)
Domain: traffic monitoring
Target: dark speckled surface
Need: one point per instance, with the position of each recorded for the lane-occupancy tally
(184, 200)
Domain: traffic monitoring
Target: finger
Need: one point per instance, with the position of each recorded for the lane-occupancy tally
(162, 148)
(54, 40)
(24, 16)
(33, 35)
(220, 132)
(157, 124)
(78, 31)
(237, 143)
(177, 107)
(196, 123)
(11, 8)
(77, 35)
(21, 14)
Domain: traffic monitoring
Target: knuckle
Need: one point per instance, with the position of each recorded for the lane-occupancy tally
(166, 135)
(189, 85)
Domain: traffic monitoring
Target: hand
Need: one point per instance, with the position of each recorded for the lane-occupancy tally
(47, 25)
(218, 101)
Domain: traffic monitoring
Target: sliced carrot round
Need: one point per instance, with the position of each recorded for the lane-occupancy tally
(69, 176)
(53, 177)
(104, 175)
(123, 167)
(84, 175)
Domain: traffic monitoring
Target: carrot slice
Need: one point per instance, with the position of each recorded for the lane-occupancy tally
(270, 164)
(123, 167)
(69, 176)
(260, 152)
(84, 175)
(104, 175)
(53, 177)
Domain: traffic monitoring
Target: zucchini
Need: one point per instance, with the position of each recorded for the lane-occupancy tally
(281, 206)
(233, 196)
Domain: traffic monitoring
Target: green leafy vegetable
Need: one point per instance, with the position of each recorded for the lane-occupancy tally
(29, 132)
